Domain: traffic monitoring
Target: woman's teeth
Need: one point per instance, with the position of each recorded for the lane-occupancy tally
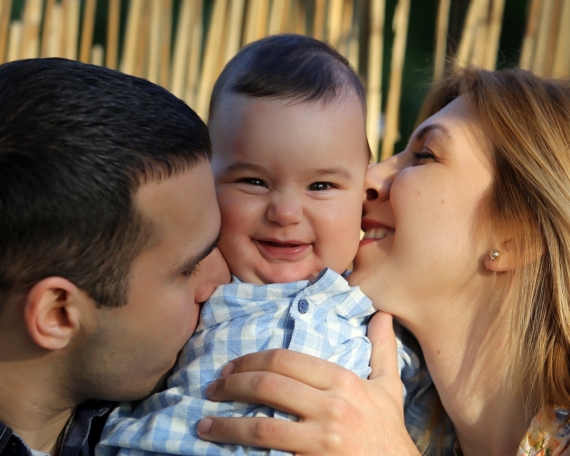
(377, 233)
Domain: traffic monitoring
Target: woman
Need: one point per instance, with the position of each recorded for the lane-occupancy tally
(468, 246)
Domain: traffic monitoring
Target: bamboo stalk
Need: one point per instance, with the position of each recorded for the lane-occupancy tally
(113, 21)
(194, 54)
(481, 35)
(234, 29)
(87, 30)
(319, 21)
(97, 55)
(494, 34)
(541, 51)
(14, 41)
(72, 29)
(553, 33)
(181, 45)
(374, 89)
(256, 20)
(29, 48)
(401, 18)
(529, 40)
(467, 43)
(209, 64)
(5, 11)
(279, 16)
(442, 26)
(142, 45)
(64, 28)
(165, 44)
(153, 69)
(346, 26)
(48, 24)
(55, 32)
(298, 18)
(132, 36)
(561, 64)
(334, 22)
(354, 37)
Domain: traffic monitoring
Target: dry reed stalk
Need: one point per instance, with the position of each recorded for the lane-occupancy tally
(374, 89)
(472, 22)
(346, 26)
(561, 64)
(194, 53)
(181, 45)
(55, 31)
(5, 12)
(540, 60)
(442, 26)
(529, 40)
(48, 24)
(319, 20)
(134, 18)
(97, 55)
(14, 41)
(279, 16)
(87, 30)
(233, 38)
(334, 25)
(113, 22)
(481, 35)
(142, 45)
(153, 68)
(354, 36)
(71, 37)
(165, 43)
(29, 48)
(494, 34)
(400, 26)
(213, 42)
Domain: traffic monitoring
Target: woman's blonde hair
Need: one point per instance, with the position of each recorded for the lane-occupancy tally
(527, 119)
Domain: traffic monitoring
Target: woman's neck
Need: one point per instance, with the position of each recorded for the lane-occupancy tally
(467, 356)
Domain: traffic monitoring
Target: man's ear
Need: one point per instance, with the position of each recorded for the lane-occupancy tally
(52, 312)
(509, 259)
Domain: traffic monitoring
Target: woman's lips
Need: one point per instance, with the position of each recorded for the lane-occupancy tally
(282, 250)
(374, 231)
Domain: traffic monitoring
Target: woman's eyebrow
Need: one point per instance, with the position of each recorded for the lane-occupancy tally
(435, 126)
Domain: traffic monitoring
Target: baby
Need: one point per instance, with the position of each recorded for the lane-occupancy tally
(287, 120)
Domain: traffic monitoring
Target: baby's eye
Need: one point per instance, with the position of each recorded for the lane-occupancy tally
(253, 181)
(320, 186)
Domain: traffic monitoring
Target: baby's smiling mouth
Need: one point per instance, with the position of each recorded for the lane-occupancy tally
(286, 249)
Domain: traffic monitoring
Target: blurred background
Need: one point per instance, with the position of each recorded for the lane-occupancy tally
(397, 46)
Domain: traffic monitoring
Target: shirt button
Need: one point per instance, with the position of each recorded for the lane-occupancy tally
(303, 306)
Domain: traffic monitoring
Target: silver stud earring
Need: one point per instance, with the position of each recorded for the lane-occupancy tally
(494, 255)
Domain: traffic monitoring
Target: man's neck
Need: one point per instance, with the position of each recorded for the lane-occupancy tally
(35, 415)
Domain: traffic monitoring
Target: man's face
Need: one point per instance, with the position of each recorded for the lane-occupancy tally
(132, 348)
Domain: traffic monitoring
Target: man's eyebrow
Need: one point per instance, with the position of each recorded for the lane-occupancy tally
(339, 171)
(435, 126)
(189, 264)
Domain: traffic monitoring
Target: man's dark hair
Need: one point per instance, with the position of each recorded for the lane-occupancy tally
(292, 67)
(76, 141)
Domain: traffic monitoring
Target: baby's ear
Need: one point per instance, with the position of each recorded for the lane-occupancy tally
(52, 312)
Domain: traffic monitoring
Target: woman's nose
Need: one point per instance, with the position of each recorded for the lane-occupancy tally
(379, 178)
(284, 210)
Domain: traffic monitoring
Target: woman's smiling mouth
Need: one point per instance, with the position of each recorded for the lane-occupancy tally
(374, 232)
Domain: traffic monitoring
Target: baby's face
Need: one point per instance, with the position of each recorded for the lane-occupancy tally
(290, 185)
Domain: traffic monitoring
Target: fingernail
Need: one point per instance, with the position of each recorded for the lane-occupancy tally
(204, 425)
(211, 389)
(228, 369)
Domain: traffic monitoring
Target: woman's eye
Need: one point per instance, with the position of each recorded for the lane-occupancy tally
(253, 181)
(422, 156)
(320, 186)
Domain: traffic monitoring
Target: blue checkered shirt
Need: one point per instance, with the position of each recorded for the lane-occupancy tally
(325, 318)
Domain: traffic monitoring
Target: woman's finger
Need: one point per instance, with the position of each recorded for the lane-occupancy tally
(271, 389)
(304, 368)
(301, 438)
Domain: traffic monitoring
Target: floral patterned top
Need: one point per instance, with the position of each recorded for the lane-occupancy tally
(547, 437)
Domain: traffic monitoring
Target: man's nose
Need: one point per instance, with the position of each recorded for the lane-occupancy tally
(284, 210)
(215, 272)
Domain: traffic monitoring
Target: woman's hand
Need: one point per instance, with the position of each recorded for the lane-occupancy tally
(340, 414)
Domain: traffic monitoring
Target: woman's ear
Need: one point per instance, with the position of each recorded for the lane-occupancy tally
(508, 258)
(52, 312)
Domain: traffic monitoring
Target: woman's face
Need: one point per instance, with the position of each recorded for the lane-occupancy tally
(420, 250)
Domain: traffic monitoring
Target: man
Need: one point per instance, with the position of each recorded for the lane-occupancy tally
(108, 232)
